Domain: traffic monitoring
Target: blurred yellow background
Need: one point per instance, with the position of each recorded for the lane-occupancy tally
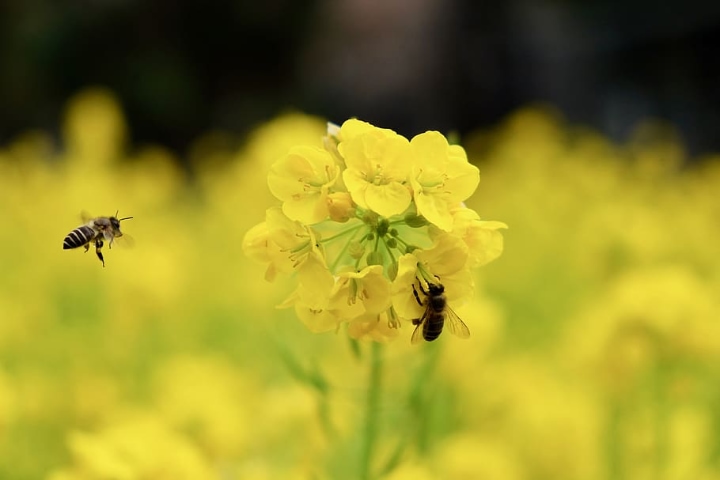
(595, 337)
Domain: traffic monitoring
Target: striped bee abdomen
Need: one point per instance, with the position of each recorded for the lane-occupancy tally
(78, 237)
(433, 326)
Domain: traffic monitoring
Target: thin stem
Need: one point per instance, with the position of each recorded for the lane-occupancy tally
(371, 413)
(344, 232)
(389, 250)
(342, 252)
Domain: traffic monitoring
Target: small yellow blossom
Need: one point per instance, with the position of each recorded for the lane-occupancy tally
(315, 282)
(280, 242)
(138, 448)
(484, 241)
(377, 169)
(258, 246)
(301, 180)
(441, 177)
(368, 286)
(323, 303)
(379, 328)
(340, 207)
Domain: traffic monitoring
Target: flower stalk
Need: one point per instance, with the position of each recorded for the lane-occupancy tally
(372, 403)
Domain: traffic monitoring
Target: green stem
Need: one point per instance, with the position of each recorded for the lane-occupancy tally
(371, 414)
(389, 251)
(342, 252)
(344, 232)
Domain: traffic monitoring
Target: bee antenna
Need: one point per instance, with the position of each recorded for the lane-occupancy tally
(125, 218)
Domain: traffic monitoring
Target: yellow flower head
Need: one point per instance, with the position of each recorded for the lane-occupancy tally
(377, 167)
(301, 180)
(373, 226)
(441, 177)
(482, 238)
(280, 242)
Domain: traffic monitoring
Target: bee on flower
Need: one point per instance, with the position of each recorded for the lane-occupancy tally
(374, 227)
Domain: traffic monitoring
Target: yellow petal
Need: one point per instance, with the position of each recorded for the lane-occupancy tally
(315, 283)
(430, 150)
(403, 299)
(462, 180)
(388, 200)
(484, 241)
(374, 288)
(317, 320)
(357, 184)
(372, 327)
(448, 255)
(255, 243)
(435, 210)
(353, 128)
(307, 209)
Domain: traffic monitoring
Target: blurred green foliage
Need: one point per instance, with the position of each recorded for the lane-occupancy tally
(595, 337)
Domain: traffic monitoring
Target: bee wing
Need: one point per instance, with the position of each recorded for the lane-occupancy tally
(455, 325)
(125, 240)
(85, 216)
(417, 335)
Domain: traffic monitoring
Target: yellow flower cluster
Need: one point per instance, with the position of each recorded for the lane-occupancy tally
(368, 220)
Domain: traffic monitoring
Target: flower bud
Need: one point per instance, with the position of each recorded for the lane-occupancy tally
(356, 250)
(414, 220)
(340, 206)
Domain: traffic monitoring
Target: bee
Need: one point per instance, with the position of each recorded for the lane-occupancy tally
(97, 230)
(437, 314)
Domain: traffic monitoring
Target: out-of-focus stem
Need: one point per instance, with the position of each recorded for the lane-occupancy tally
(371, 411)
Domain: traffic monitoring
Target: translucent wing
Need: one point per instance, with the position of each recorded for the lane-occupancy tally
(127, 241)
(85, 216)
(417, 335)
(453, 323)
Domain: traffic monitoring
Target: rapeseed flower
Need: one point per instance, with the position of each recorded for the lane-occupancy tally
(367, 221)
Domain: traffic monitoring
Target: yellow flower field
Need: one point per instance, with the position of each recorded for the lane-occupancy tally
(594, 349)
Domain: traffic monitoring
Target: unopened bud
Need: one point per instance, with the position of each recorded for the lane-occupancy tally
(340, 206)
(374, 258)
(414, 220)
(382, 227)
(356, 250)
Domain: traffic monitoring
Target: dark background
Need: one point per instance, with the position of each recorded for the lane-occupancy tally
(183, 68)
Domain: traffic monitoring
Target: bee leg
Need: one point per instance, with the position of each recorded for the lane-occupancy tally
(87, 247)
(98, 252)
(417, 298)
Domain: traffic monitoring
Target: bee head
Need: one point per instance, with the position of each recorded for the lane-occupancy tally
(116, 221)
(435, 289)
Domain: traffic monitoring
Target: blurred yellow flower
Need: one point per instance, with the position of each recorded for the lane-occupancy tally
(207, 396)
(137, 447)
(467, 456)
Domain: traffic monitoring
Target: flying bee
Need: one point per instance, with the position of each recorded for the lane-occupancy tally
(97, 230)
(437, 314)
